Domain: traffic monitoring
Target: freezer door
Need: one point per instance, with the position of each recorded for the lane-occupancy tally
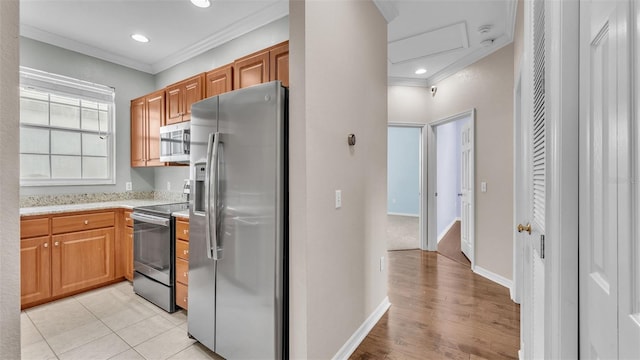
(202, 269)
(249, 284)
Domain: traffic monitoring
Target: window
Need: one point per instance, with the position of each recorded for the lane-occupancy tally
(67, 131)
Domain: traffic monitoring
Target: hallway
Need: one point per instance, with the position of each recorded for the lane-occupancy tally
(441, 309)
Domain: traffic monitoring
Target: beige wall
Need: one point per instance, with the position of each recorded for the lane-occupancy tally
(338, 87)
(487, 86)
(9, 189)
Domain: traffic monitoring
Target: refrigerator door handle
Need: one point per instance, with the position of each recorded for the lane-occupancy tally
(211, 196)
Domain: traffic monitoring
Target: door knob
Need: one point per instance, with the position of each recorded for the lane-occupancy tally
(526, 228)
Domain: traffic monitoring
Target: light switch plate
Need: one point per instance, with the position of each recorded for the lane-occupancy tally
(483, 186)
(338, 199)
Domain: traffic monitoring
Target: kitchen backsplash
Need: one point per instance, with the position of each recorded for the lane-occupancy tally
(64, 199)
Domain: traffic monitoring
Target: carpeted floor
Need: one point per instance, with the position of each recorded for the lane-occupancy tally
(449, 246)
(402, 232)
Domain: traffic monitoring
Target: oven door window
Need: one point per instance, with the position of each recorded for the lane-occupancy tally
(152, 251)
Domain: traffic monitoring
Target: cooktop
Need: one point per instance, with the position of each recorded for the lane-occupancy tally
(164, 209)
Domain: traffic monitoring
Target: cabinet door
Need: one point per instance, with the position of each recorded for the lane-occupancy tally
(251, 70)
(35, 269)
(155, 119)
(279, 63)
(138, 137)
(192, 93)
(175, 96)
(82, 259)
(128, 253)
(219, 81)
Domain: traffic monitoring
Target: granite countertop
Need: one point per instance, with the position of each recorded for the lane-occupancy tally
(127, 204)
(181, 214)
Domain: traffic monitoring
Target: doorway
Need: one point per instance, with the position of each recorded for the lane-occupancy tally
(404, 187)
(451, 189)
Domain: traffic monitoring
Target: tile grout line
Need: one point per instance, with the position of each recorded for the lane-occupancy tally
(41, 335)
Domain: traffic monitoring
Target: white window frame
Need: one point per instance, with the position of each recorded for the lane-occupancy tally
(83, 90)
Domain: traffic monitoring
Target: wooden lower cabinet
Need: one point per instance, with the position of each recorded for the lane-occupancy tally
(182, 263)
(182, 296)
(35, 269)
(82, 259)
(64, 254)
(128, 253)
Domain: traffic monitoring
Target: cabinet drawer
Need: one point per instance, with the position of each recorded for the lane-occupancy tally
(182, 292)
(182, 271)
(182, 230)
(34, 227)
(71, 223)
(128, 221)
(182, 249)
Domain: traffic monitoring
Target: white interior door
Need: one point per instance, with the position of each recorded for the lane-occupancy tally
(609, 296)
(466, 184)
(531, 202)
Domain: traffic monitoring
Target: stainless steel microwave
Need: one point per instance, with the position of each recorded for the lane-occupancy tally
(174, 142)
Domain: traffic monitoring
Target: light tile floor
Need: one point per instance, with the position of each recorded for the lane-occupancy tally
(107, 323)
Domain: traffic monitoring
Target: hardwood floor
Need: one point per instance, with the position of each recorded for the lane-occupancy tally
(440, 309)
(449, 246)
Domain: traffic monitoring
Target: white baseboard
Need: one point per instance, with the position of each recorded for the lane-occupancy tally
(354, 341)
(446, 230)
(493, 277)
(403, 214)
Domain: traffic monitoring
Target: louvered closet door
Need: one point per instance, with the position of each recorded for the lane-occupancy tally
(533, 307)
(609, 247)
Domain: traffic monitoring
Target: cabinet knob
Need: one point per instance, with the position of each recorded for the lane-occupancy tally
(185, 232)
(185, 252)
(45, 245)
(185, 300)
(86, 222)
(56, 243)
(184, 274)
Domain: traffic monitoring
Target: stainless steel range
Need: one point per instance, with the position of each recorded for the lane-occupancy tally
(154, 253)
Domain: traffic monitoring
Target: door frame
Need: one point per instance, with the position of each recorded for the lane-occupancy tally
(519, 176)
(432, 168)
(422, 233)
(562, 276)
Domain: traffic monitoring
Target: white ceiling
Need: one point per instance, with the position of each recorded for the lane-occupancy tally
(438, 35)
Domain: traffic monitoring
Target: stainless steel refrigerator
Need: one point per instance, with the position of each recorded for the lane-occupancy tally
(238, 268)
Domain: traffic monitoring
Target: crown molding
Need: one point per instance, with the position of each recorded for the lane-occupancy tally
(254, 21)
(462, 63)
(388, 9)
(66, 43)
(405, 81)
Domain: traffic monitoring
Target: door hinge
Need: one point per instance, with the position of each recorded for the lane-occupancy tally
(541, 246)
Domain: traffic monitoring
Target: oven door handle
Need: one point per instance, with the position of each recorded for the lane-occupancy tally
(155, 220)
(211, 196)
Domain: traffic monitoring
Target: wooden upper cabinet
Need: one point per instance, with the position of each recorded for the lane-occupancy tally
(147, 116)
(279, 63)
(251, 70)
(155, 119)
(138, 132)
(219, 81)
(180, 97)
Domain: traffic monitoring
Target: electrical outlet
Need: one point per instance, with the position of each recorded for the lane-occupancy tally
(128, 186)
(483, 186)
(338, 199)
(168, 185)
(381, 263)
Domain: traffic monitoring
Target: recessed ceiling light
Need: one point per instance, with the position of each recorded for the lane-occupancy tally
(140, 38)
(201, 3)
(421, 71)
